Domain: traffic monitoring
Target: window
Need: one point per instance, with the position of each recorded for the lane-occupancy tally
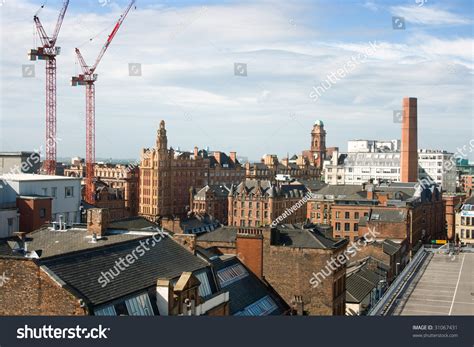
(69, 192)
(356, 227)
(10, 222)
(42, 212)
(347, 226)
(262, 307)
(105, 311)
(204, 287)
(338, 226)
(347, 215)
(338, 214)
(54, 191)
(356, 215)
(231, 274)
(44, 191)
(139, 305)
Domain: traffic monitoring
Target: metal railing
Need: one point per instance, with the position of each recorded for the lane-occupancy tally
(398, 284)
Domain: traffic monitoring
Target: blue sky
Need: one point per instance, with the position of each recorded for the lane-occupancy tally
(187, 50)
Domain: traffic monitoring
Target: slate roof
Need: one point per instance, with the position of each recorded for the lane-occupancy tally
(361, 282)
(132, 223)
(388, 215)
(246, 290)
(50, 243)
(222, 234)
(312, 185)
(469, 201)
(267, 188)
(390, 247)
(339, 191)
(81, 271)
(294, 235)
(218, 190)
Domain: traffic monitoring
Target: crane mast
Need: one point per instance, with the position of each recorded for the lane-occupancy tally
(88, 78)
(48, 52)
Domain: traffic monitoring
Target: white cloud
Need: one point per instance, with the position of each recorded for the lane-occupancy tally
(429, 15)
(187, 56)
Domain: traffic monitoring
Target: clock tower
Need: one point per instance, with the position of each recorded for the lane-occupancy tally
(318, 144)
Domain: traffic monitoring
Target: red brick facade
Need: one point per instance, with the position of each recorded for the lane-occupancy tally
(29, 291)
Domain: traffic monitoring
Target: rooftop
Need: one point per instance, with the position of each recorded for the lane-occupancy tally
(48, 243)
(296, 235)
(165, 259)
(33, 177)
(246, 291)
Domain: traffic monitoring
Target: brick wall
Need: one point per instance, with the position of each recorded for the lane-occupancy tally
(289, 270)
(34, 213)
(30, 291)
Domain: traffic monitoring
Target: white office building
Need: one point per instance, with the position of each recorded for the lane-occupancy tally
(64, 191)
(376, 160)
(9, 217)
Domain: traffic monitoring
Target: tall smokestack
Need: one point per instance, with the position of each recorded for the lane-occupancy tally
(409, 152)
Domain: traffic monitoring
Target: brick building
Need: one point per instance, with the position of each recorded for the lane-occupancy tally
(212, 200)
(34, 210)
(260, 202)
(452, 202)
(166, 176)
(111, 199)
(287, 257)
(465, 222)
(401, 210)
(298, 167)
(116, 176)
(467, 184)
(77, 272)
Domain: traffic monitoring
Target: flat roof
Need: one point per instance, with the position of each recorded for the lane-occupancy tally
(15, 154)
(444, 289)
(34, 177)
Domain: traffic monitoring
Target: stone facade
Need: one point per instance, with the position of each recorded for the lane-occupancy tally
(166, 176)
(260, 202)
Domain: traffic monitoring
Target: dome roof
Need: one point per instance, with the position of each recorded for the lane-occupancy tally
(319, 122)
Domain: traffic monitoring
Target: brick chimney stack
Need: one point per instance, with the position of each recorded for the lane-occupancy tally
(249, 248)
(409, 150)
(233, 156)
(217, 156)
(97, 221)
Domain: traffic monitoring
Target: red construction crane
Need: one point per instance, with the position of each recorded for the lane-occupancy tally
(87, 78)
(48, 52)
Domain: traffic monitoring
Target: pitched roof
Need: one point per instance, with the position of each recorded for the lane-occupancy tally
(338, 191)
(82, 271)
(295, 235)
(132, 223)
(48, 243)
(247, 289)
(364, 279)
(222, 234)
(267, 188)
(388, 215)
(390, 247)
(218, 190)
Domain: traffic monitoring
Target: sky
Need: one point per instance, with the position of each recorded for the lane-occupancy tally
(187, 51)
